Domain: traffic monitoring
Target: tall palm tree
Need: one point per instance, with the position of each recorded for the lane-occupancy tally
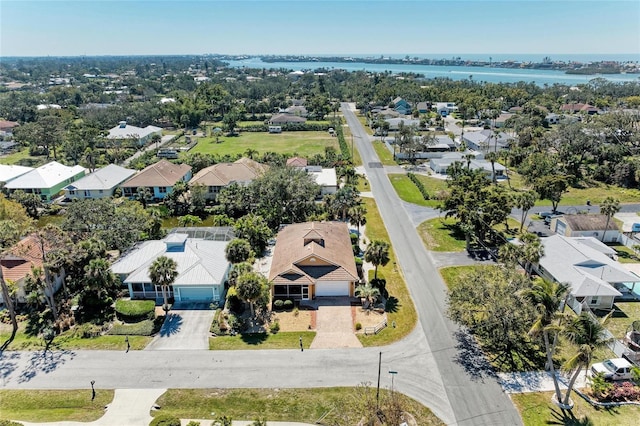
(510, 254)
(547, 296)
(358, 216)
(492, 157)
(524, 201)
(609, 207)
(588, 335)
(468, 158)
(163, 272)
(378, 254)
(532, 250)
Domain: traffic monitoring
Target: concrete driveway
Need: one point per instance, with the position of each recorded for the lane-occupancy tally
(186, 327)
(334, 324)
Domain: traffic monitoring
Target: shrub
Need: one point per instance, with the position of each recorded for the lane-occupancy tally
(9, 423)
(288, 304)
(275, 327)
(193, 423)
(296, 311)
(278, 304)
(86, 330)
(354, 238)
(235, 303)
(142, 328)
(165, 420)
(623, 392)
(419, 185)
(380, 284)
(135, 310)
(358, 326)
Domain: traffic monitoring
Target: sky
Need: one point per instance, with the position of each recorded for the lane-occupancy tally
(316, 27)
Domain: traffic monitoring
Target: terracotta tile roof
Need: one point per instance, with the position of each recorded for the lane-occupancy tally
(311, 251)
(17, 262)
(223, 174)
(297, 162)
(162, 173)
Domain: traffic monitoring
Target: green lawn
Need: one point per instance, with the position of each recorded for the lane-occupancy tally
(304, 144)
(299, 405)
(408, 191)
(385, 156)
(53, 405)
(16, 157)
(441, 234)
(537, 409)
(66, 341)
(282, 340)
(625, 254)
(625, 313)
(454, 274)
(400, 309)
(432, 185)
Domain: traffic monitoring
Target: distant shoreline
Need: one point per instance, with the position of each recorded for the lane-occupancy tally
(569, 67)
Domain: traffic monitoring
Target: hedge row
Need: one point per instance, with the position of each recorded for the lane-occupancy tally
(419, 184)
(345, 149)
(297, 127)
(135, 310)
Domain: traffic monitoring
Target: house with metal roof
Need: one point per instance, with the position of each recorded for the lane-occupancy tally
(141, 136)
(587, 265)
(9, 172)
(218, 176)
(159, 178)
(326, 178)
(47, 181)
(313, 259)
(201, 264)
(441, 165)
(280, 119)
(99, 184)
(486, 140)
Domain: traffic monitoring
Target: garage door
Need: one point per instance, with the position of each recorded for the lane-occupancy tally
(184, 294)
(332, 288)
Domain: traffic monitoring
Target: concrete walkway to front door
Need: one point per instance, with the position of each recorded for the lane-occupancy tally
(334, 324)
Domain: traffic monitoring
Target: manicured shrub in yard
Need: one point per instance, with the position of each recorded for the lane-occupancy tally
(135, 310)
(278, 304)
(165, 420)
(141, 328)
(9, 423)
(288, 304)
(275, 327)
(420, 186)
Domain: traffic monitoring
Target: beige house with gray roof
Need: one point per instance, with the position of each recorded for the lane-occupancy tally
(221, 175)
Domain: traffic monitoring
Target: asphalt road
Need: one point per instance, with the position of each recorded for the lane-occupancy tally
(473, 392)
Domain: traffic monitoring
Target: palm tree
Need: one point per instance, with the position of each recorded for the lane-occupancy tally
(492, 157)
(368, 292)
(163, 272)
(8, 302)
(589, 335)
(468, 158)
(250, 287)
(524, 201)
(189, 220)
(547, 296)
(609, 207)
(378, 254)
(358, 216)
(532, 250)
(510, 254)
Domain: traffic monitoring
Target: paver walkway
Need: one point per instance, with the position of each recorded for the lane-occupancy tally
(334, 324)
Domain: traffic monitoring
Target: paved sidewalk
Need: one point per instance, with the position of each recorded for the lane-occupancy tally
(130, 407)
(536, 381)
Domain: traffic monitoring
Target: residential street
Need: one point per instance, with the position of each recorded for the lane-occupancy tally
(474, 394)
(436, 364)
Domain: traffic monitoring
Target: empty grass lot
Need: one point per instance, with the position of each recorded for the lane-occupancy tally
(442, 234)
(537, 409)
(400, 309)
(385, 156)
(53, 405)
(281, 340)
(408, 191)
(304, 144)
(299, 405)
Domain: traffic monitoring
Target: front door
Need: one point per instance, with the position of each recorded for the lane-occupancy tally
(305, 292)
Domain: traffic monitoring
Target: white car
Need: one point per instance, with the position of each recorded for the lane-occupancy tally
(613, 369)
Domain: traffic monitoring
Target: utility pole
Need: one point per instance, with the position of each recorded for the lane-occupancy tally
(378, 391)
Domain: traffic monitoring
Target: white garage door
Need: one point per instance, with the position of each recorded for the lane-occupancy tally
(184, 294)
(332, 288)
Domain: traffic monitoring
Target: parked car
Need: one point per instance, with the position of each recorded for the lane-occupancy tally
(613, 369)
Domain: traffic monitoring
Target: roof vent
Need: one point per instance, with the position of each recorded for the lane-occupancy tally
(122, 124)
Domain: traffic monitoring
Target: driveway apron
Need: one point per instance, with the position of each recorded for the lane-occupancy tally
(186, 327)
(334, 324)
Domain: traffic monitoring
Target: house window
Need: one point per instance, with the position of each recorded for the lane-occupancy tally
(162, 189)
(594, 300)
(72, 192)
(87, 193)
(136, 286)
